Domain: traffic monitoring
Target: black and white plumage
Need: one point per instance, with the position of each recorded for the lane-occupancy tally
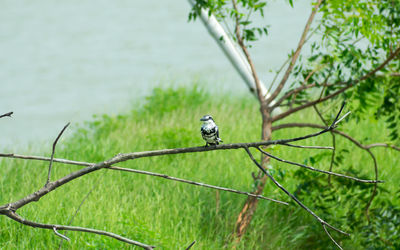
(209, 131)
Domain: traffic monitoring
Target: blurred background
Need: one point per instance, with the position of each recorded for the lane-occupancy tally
(64, 61)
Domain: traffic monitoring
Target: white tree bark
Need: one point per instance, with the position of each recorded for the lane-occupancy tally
(229, 48)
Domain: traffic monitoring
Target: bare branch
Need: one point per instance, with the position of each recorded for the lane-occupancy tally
(332, 156)
(296, 53)
(13, 215)
(333, 139)
(292, 196)
(311, 147)
(64, 161)
(53, 151)
(7, 114)
(96, 183)
(326, 231)
(292, 92)
(317, 170)
(385, 145)
(297, 90)
(196, 183)
(317, 126)
(349, 85)
(191, 244)
(60, 235)
(41, 158)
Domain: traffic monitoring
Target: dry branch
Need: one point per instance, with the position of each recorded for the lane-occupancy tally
(317, 126)
(318, 170)
(196, 183)
(310, 147)
(13, 215)
(7, 114)
(191, 244)
(53, 151)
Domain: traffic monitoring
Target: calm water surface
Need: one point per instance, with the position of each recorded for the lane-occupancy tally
(64, 61)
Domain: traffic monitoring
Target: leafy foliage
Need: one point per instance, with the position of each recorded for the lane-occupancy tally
(355, 38)
(342, 205)
(390, 107)
(224, 11)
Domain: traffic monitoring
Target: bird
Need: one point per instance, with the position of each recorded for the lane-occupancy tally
(209, 131)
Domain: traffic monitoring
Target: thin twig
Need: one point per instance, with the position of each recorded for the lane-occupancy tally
(301, 88)
(191, 244)
(317, 126)
(327, 232)
(375, 186)
(195, 183)
(333, 139)
(13, 215)
(7, 114)
(53, 151)
(332, 156)
(317, 170)
(60, 235)
(310, 147)
(96, 183)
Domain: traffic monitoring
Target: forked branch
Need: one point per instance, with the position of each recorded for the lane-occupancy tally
(11, 208)
(53, 151)
(6, 114)
(317, 170)
(13, 215)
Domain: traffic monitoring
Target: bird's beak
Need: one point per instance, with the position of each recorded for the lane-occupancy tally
(202, 119)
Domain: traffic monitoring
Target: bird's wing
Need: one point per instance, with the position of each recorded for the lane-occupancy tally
(216, 128)
(213, 130)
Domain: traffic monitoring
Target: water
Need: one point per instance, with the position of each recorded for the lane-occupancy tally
(64, 61)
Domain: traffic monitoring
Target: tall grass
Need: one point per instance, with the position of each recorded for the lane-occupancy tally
(171, 215)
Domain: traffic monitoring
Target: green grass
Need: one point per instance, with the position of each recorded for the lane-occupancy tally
(171, 215)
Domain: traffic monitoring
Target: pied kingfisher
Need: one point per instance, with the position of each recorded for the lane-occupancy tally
(209, 131)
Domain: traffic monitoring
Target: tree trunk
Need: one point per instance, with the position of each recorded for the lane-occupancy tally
(250, 206)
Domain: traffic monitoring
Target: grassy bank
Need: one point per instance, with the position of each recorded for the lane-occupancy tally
(171, 215)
